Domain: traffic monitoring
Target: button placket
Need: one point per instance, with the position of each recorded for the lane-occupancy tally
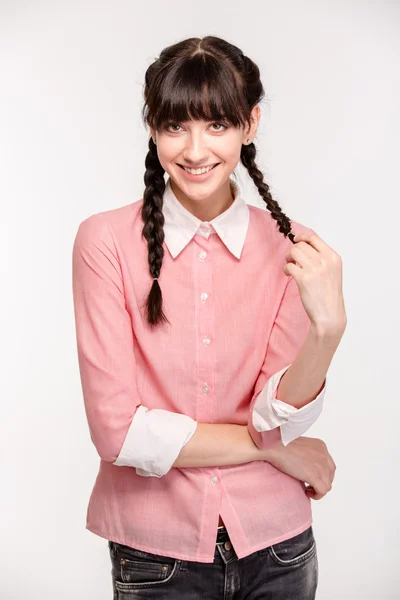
(205, 332)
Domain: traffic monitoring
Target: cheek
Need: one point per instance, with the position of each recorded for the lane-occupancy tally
(166, 153)
(168, 147)
(230, 149)
(167, 159)
(231, 158)
(234, 156)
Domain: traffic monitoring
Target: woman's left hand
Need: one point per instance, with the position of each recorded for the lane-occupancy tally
(318, 274)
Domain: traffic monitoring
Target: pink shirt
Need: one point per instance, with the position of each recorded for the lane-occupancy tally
(237, 323)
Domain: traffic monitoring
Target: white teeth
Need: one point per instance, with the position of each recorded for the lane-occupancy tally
(199, 171)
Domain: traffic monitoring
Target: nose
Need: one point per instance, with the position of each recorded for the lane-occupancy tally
(195, 151)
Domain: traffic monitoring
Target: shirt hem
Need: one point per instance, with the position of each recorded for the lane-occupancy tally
(201, 558)
(280, 538)
(144, 548)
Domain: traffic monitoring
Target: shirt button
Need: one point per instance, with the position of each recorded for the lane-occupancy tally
(202, 254)
(204, 296)
(206, 341)
(206, 389)
(214, 480)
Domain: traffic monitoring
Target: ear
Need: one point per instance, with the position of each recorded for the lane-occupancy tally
(153, 135)
(251, 131)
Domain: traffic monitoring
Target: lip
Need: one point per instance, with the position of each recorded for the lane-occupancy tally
(202, 167)
(201, 177)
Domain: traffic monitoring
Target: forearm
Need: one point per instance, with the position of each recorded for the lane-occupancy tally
(217, 444)
(305, 377)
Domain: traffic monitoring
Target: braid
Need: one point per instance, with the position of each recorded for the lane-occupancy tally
(153, 230)
(196, 79)
(247, 156)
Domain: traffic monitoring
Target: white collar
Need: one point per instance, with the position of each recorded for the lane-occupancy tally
(180, 225)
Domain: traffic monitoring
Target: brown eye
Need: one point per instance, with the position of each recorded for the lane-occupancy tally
(221, 125)
(168, 125)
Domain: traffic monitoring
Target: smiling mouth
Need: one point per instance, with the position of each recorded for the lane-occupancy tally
(195, 168)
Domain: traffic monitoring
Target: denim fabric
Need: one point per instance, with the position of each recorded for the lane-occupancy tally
(284, 571)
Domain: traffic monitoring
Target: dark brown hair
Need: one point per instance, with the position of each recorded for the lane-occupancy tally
(198, 78)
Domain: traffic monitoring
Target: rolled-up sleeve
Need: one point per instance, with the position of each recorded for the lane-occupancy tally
(142, 443)
(123, 431)
(270, 419)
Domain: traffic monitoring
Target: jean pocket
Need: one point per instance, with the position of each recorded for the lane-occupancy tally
(134, 569)
(295, 550)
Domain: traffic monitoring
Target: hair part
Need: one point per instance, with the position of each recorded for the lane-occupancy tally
(206, 79)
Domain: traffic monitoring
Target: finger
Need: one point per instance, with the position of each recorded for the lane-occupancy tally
(292, 270)
(332, 465)
(314, 494)
(319, 487)
(303, 254)
(310, 492)
(331, 462)
(313, 239)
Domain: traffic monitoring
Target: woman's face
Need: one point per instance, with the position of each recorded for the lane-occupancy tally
(197, 144)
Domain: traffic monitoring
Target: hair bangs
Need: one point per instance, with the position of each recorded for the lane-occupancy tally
(199, 88)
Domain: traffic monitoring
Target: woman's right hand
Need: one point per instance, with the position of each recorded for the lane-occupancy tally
(308, 460)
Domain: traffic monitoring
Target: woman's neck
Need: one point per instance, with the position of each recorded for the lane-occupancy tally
(206, 209)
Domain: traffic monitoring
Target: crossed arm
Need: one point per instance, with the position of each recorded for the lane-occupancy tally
(294, 368)
(218, 445)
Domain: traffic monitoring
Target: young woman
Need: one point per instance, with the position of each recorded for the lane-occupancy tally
(205, 330)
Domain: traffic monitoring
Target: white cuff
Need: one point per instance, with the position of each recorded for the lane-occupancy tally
(154, 440)
(269, 412)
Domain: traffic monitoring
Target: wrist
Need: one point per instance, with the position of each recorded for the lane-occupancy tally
(331, 331)
(253, 451)
(265, 445)
(270, 453)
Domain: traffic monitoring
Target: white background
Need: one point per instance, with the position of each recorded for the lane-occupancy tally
(72, 144)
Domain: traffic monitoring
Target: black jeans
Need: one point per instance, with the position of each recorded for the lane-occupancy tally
(285, 571)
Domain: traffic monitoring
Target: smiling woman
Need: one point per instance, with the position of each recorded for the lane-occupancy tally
(196, 486)
(206, 153)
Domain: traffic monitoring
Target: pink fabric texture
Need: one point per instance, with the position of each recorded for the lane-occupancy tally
(235, 322)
